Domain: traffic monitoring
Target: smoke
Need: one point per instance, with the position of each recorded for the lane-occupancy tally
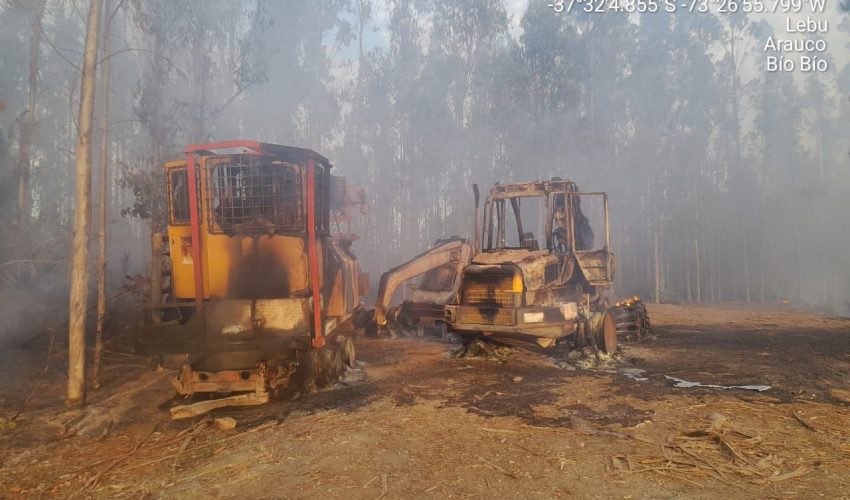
(725, 181)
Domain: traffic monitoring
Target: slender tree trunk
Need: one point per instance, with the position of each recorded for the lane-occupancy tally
(745, 254)
(719, 266)
(688, 295)
(102, 200)
(736, 130)
(27, 127)
(699, 271)
(82, 217)
(763, 259)
(362, 18)
(797, 254)
(650, 263)
(712, 296)
(657, 269)
(156, 268)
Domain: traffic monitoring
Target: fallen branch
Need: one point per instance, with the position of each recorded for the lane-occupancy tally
(804, 423)
(195, 429)
(598, 432)
(207, 445)
(496, 467)
(93, 481)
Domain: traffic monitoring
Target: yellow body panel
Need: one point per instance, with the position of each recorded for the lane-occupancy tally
(237, 266)
(182, 273)
(253, 266)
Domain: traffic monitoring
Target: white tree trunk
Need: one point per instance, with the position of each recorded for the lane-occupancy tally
(102, 201)
(27, 127)
(78, 299)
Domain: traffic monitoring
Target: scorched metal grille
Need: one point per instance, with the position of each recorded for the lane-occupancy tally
(251, 193)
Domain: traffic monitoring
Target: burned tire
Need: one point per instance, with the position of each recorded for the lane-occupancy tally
(607, 336)
(306, 376)
(317, 368)
(604, 331)
(346, 346)
(580, 335)
(332, 365)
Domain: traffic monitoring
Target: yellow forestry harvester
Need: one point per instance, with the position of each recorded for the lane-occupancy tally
(261, 289)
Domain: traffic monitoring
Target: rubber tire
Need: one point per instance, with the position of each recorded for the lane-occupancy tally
(606, 335)
(306, 376)
(349, 353)
(580, 335)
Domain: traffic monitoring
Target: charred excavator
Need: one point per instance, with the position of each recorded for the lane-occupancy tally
(440, 269)
(261, 289)
(518, 289)
(509, 286)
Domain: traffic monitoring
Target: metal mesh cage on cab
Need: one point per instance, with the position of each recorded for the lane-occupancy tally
(250, 193)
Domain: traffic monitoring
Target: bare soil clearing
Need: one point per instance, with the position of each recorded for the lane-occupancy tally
(415, 422)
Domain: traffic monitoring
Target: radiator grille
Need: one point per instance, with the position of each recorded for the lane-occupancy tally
(485, 316)
(489, 290)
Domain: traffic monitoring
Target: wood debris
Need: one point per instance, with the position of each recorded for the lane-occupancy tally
(719, 452)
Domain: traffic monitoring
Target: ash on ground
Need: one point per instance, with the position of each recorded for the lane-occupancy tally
(590, 359)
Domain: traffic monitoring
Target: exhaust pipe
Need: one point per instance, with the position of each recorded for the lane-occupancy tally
(476, 244)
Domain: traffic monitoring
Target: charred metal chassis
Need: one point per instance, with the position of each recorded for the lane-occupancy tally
(539, 321)
(258, 376)
(427, 312)
(555, 317)
(193, 335)
(256, 148)
(542, 189)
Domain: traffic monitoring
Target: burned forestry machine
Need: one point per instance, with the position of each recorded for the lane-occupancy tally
(440, 270)
(518, 289)
(261, 290)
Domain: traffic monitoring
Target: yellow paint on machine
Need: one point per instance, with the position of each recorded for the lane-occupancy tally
(225, 257)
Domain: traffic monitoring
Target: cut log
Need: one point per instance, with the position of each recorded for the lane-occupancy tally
(195, 409)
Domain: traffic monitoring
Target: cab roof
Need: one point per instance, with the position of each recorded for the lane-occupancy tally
(285, 153)
(534, 188)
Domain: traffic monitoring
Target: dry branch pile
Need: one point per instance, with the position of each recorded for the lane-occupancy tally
(721, 452)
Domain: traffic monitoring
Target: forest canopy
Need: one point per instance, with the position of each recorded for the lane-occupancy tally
(726, 182)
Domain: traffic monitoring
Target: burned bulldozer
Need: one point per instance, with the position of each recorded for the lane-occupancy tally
(540, 271)
(261, 289)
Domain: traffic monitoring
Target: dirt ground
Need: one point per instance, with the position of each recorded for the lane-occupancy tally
(415, 422)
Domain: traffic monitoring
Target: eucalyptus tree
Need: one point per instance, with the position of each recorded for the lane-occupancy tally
(777, 141)
(298, 105)
(453, 133)
(82, 219)
(28, 120)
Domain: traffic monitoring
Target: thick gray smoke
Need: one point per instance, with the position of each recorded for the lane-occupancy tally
(726, 181)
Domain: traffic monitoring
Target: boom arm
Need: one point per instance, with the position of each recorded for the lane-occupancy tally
(421, 264)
